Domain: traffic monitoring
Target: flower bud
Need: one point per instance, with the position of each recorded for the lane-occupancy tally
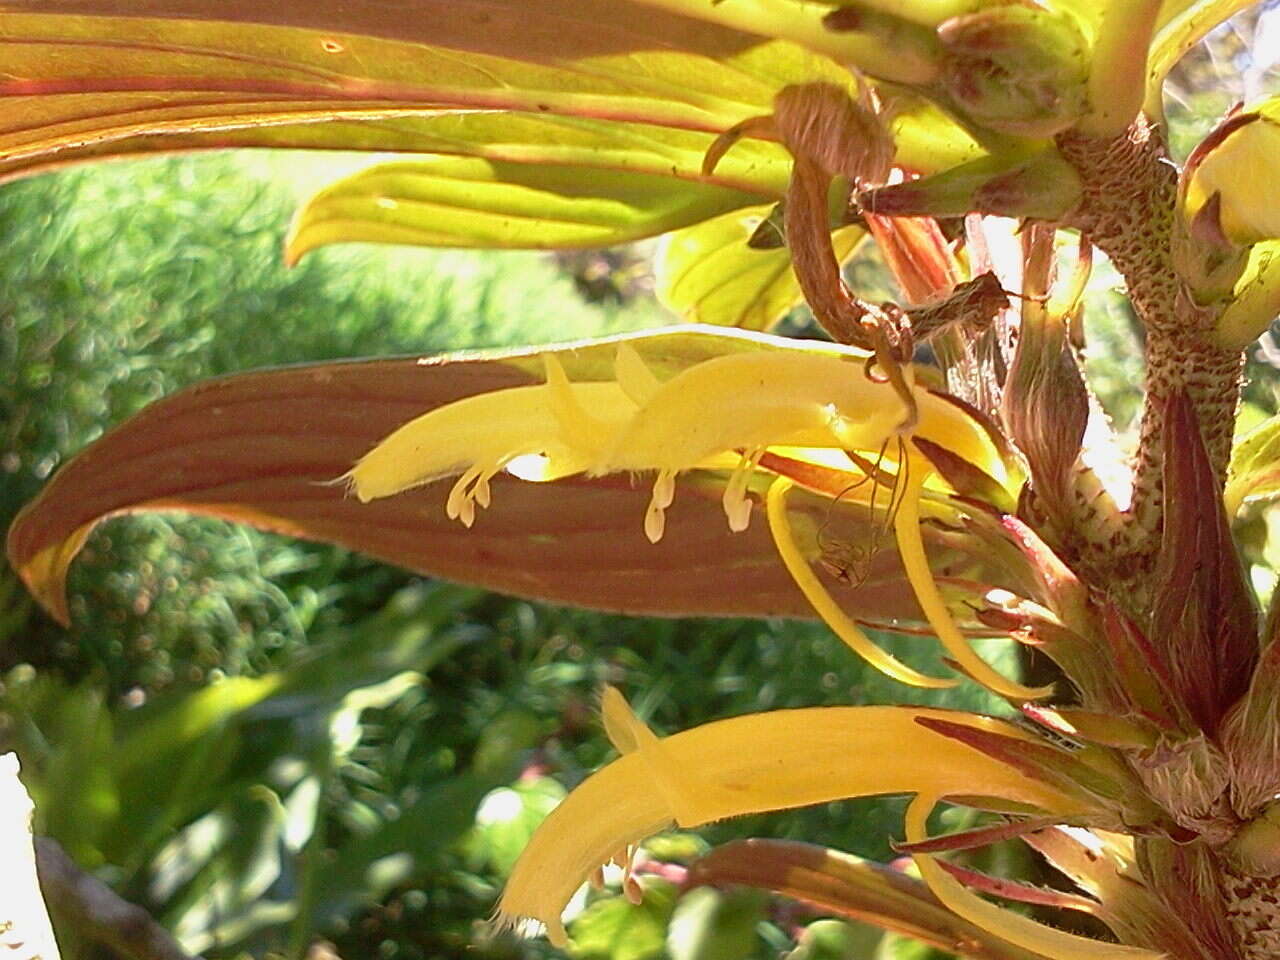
(1255, 849)
(1238, 163)
(1017, 69)
(1225, 238)
(1041, 186)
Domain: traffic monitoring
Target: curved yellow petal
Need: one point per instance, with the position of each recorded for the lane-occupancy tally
(911, 546)
(750, 764)
(1015, 928)
(843, 626)
(757, 399)
(486, 430)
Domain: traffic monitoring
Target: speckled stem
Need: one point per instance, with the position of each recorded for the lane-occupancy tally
(1127, 210)
(1252, 906)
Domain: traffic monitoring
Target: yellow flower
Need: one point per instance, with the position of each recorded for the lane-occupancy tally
(748, 394)
(749, 764)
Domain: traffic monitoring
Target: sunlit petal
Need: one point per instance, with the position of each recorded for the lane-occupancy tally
(749, 764)
(487, 429)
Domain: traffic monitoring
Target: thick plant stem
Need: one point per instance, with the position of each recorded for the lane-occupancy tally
(1127, 210)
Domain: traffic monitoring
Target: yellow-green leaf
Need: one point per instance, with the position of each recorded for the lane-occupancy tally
(472, 202)
(78, 79)
(708, 274)
(1255, 466)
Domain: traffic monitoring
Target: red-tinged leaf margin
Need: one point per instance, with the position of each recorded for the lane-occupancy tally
(850, 887)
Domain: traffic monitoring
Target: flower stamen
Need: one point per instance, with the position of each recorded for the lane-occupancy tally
(914, 561)
(664, 492)
(469, 489)
(737, 508)
(1005, 924)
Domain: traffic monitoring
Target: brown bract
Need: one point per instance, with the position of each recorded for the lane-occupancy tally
(264, 448)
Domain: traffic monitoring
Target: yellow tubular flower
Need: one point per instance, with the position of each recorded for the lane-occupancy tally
(1015, 928)
(721, 413)
(786, 394)
(748, 764)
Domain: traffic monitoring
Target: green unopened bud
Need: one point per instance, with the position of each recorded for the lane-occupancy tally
(1017, 69)
(1042, 186)
(1255, 849)
(836, 940)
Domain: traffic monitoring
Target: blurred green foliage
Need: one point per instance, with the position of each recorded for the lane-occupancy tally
(266, 743)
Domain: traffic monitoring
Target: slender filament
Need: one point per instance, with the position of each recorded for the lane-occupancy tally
(1005, 924)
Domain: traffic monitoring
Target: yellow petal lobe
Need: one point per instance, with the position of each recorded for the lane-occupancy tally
(634, 376)
(750, 400)
(749, 764)
(1015, 928)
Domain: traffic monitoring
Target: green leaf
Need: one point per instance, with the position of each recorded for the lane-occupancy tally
(64, 735)
(213, 872)
(714, 925)
(507, 818)
(1254, 473)
(756, 166)
(367, 867)
(473, 202)
(172, 724)
(708, 274)
(614, 929)
(183, 74)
